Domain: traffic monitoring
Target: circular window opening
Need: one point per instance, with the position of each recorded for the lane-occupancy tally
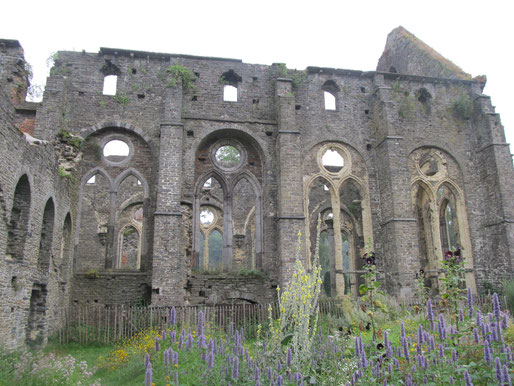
(228, 156)
(429, 167)
(116, 150)
(206, 217)
(332, 160)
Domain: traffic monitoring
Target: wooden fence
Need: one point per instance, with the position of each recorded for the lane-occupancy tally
(108, 324)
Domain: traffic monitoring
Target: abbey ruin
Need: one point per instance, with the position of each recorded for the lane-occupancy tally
(150, 178)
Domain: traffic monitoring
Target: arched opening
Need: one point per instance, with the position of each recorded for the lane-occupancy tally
(66, 246)
(324, 261)
(448, 223)
(352, 235)
(215, 248)
(130, 248)
(17, 230)
(95, 211)
(230, 79)
(244, 225)
(424, 217)
(46, 239)
(330, 91)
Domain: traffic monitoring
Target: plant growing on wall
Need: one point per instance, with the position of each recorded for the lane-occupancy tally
(177, 73)
(463, 107)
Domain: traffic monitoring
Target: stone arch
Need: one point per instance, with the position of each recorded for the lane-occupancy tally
(87, 132)
(46, 237)
(129, 244)
(443, 172)
(18, 227)
(66, 247)
(248, 245)
(248, 167)
(132, 172)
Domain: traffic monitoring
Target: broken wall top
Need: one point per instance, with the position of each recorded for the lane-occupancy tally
(404, 53)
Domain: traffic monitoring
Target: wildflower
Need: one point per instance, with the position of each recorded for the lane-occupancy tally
(498, 364)
(210, 359)
(173, 316)
(148, 376)
(475, 336)
(280, 380)
(506, 376)
(147, 359)
(189, 342)
(235, 368)
(467, 378)
(487, 352)
(157, 344)
(451, 381)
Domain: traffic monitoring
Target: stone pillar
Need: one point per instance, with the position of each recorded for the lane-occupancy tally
(291, 218)
(498, 187)
(398, 231)
(168, 265)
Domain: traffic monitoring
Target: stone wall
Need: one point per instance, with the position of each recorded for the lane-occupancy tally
(391, 129)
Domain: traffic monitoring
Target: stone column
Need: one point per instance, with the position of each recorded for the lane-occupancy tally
(398, 231)
(168, 265)
(291, 218)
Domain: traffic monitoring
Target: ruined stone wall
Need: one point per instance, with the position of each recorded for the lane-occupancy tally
(383, 126)
(34, 166)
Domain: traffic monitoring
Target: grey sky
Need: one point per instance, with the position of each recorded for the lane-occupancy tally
(475, 35)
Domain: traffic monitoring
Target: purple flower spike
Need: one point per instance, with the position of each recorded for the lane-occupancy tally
(173, 316)
(257, 373)
(279, 366)
(280, 380)
(506, 376)
(189, 342)
(461, 315)
(357, 347)
(498, 365)
(402, 330)
(289, 360)
(148, 376)
(475, 335)
(235, 368)
(269, 373)
(467, 378)
(210, 360)
(487, 352)
(420, 334)
(451, 381)
(454, 356)
(496, 307)
(405, 349)
(147, 359)
(157, 344)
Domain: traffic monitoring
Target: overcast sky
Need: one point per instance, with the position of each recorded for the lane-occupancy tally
(475, 35)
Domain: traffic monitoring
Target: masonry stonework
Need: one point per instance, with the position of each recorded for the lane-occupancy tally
(170, 191)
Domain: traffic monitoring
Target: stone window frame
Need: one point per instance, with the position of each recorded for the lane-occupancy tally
(228, 142)
(343, 152)
(228, 183)
(330, 87)
(442, 171)
(120, 137)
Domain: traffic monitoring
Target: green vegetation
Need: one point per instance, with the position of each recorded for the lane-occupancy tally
(122, 99)
(463, 107)
(178, 73)
(375, 342)
(70, 139)
(63, 173)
